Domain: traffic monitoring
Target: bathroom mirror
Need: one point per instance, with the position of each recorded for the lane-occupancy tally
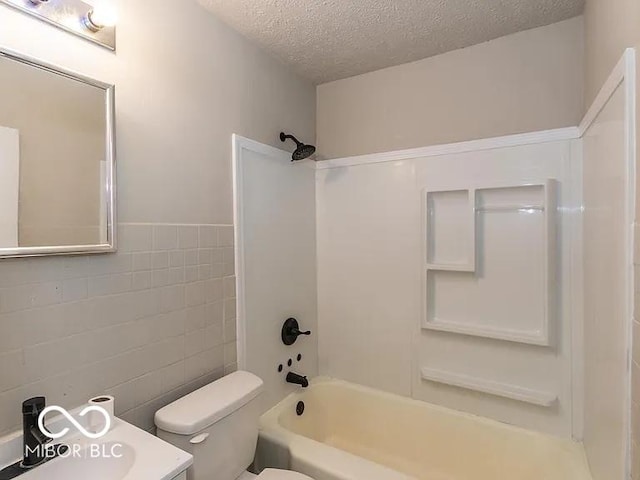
(57, 161)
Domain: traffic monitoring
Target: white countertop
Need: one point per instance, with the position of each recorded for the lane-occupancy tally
(142, 457)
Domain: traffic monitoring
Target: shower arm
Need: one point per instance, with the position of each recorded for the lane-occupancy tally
(284, 138)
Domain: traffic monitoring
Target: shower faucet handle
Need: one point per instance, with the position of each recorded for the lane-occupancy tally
(291, 331)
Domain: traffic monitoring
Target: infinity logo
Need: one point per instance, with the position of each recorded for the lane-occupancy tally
(74, 422)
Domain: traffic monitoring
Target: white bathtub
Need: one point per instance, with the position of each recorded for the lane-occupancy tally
(349, 432)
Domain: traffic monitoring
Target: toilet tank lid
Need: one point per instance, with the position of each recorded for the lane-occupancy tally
(204, 407)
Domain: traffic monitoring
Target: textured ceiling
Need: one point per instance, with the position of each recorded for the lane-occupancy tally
(326, 40)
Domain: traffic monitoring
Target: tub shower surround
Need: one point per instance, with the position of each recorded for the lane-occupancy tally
(147, 325)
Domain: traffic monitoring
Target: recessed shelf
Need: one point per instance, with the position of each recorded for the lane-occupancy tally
(498, 389)
(509, 229)
(449, 225)
(451, 268)
(511, 208)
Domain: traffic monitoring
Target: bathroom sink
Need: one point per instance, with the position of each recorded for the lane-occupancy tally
(85, 466)
(125, 453)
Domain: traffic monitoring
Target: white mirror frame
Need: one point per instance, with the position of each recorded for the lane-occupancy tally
(110, 157)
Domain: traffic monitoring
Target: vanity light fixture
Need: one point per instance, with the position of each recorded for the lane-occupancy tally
(100, 17)
(95, 22)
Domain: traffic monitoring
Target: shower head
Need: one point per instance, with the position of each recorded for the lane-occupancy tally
(302, 151)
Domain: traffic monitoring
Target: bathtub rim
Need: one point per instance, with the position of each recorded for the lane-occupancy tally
(344, 465)
(271, 417)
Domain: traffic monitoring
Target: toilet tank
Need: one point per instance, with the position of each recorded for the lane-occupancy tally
(217, 424)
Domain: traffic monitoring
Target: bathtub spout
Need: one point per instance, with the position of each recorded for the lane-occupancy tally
(297, 379)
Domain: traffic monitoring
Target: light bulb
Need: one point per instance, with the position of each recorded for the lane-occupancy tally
(102, 15)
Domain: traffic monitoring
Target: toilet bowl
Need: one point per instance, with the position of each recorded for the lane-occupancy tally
(218, 425)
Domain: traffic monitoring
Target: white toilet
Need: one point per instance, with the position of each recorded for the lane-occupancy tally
(218, 425)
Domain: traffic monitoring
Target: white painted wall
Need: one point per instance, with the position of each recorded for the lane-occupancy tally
(524, 82)
(607, 276)
(610, 26)
(9, 185)
(180, 95)
(370, 258)
(276, 258)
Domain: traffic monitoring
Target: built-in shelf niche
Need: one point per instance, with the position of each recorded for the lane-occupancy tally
(490, 261)
(450, 246)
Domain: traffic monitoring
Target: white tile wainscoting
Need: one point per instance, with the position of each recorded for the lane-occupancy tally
(147, 325)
